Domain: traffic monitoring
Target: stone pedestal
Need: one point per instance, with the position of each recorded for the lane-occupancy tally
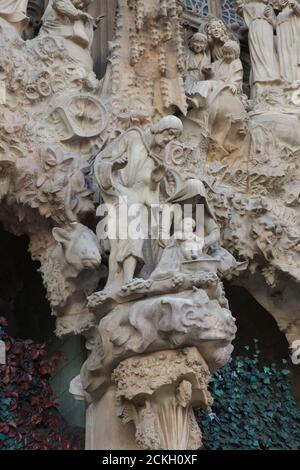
(151, 406)
(104, 429)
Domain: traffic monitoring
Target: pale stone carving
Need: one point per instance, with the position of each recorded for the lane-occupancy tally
(148, 51)
(160, 323)
(130, 170)
(54, 184)
(229, 68)
(218, 107)
(197, 58)
(260, 19)
(217, 36)
(288, 29)
(62, 132)
(70, 270)
(67, 19)
(14, 13)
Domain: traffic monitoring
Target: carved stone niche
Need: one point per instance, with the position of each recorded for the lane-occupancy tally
(158, 392)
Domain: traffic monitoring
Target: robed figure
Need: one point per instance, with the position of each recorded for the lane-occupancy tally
(260, 19)
(14, 13)
(288, 32)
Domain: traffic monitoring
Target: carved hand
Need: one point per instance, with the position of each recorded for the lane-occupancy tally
(158, 174)
(86, 16)
(207, 70)
(268, 11)
(121, 163)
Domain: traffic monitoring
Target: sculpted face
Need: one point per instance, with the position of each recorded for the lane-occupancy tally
(166, 130)
(189, 225)
(231, 51)
(163, 138)
(216, 29)
(198, 45)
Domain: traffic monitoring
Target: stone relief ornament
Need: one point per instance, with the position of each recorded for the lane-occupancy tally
(169, 126)
(70, 267)
(130, 170)
(157, 416)
(287, 30)
(13, 12)
(147, 61)
(218, 106)
(67, 19)
(80, 116)
(260, 18)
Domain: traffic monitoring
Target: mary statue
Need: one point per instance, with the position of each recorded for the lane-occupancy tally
(14, 13)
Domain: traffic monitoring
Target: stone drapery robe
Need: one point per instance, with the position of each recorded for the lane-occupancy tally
(14, 11)
(131, 185)
(261, 42)
(60, 19)
(193, 70)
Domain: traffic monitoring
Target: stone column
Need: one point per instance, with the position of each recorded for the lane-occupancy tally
(150, 404)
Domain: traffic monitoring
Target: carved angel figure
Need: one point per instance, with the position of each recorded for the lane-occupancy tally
(14, 13)
(288, 32)
(260, 18)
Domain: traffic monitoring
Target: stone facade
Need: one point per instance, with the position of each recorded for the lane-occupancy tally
(173, 123)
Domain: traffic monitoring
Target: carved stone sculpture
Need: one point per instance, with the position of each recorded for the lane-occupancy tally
(71, 271)
(67, 19)
(169, 126)
(287, 29)
(260, 19)
(218, 106)
(128, 172)
(197, 58)
(217, 36)
(14, 13)
(161, 416)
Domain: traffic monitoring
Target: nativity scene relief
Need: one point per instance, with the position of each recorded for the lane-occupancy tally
(148, 189)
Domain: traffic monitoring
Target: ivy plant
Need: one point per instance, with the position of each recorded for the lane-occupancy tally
(254, 407)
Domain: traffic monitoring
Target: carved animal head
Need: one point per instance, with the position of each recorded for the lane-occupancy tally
(79, 249)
